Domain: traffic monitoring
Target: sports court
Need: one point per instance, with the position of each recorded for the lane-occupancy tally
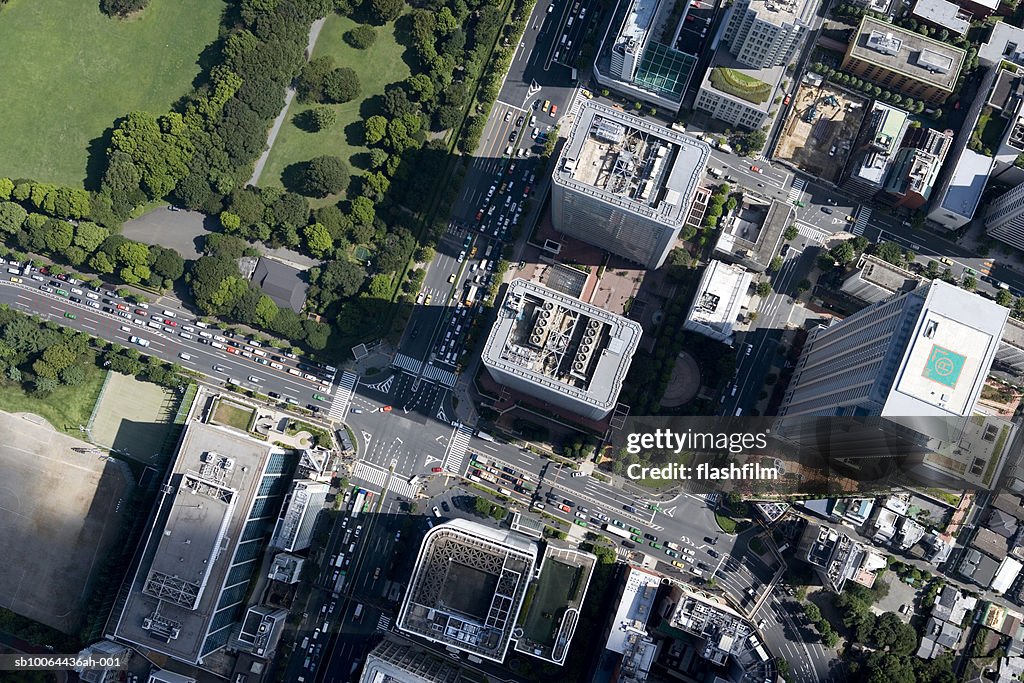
(60, 513)
(133, 417)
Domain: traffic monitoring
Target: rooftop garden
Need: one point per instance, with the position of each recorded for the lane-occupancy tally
(740, 85)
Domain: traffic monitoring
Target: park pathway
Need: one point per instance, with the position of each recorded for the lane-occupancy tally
(314, 33)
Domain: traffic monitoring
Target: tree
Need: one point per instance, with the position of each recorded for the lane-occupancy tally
(318, 240)
(58, 236)
(122, 8)
(1004, 298)
(361, 37)
(374, 129)
(341, 279)
(340, 85)
(266, 311)
(12, 216)
(763, 289)
(89, 236)
(970, 283)
(843, 253)
(322, 118)
(362, 211)
(208, 278)
(160, 148)
(775, 265)
(384, 11)
(310, 84)
(322, 176)
(790, 233)
(168, 263)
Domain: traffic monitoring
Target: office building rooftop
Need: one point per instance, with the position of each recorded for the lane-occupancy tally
(943, 13)
(906, 52)
(634, 163)
(395, 661)
(948, 355)
(967, 181)
(885, 126)
(467, 587)
(1006, 42)
(562, 343)
(187, 556)
(719, 301)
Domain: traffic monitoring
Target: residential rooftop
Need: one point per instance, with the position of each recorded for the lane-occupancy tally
(1006, 42)
(637, 164)
(907, 52)
(561, 342)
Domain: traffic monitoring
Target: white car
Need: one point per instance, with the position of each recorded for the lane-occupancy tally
(125, 328)
(184, 356)
(254, 378)
(576, 474)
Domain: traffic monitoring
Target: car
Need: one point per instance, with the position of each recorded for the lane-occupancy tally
(678, 565)
(317, 397)
(169, 330)
(787, 100)
(436, 511)
(634, 530)
(75, 299)
(512, 137)
(69, 315)
(124, 314)
(547, 105)
(577, 473)
(554, 109)
(748, 348)
(619, 524)
(650, 537)
(756, 169)
(16, 280)
(385, 409)
(93, 304)
(849, 219)
(435, 470)
(712, 552)
(825, 209)
(254, 378)
(655, 545)
(671, 553)
(519, 122)
(184, 356)
(784, 250)
(121, 307)
(508, 116)
(712, 539)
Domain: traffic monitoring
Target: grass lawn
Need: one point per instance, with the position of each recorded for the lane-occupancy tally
(726, 524)
(71, 71)
(233, 415)
(65, 408)
(741, 85)
(377, 67)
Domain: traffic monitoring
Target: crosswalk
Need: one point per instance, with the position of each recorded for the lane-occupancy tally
(407, 363)
(384, 623)
(346, 387)
(812, 232)
(445, 377)
(796, 189)
(379, 477)
(863, 216)
(458, 444)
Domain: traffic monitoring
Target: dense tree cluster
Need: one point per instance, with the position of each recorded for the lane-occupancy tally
(46, 219)
(121, 8)
(361, 37)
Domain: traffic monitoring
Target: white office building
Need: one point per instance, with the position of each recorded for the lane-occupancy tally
(560, 350)
(766, 33)
(294, 529)
(922, 353)
(721, 297)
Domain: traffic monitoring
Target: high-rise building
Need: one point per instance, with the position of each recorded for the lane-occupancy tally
(880, 136)
(640, 55)
(625, 184)
(916, 165)
(902, 60)
(560, 350)
(765, 33)
(1004, 219)
(294, 528)
(214, 518)
(921, 353)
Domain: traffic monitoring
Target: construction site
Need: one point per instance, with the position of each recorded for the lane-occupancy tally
(821, 129)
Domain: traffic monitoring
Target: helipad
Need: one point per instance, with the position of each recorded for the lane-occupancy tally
(944, 366)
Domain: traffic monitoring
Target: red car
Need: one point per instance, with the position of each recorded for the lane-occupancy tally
(122, 307)
(479, 214)
(385, 409)
(787, 100)
(231, 349)
(170, 322)
(435, 470)
(755, 169)
(139, 311)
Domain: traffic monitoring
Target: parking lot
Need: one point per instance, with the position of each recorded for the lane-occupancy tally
(821, 130)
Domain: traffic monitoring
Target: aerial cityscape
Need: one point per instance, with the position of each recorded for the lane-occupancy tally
(480, 341)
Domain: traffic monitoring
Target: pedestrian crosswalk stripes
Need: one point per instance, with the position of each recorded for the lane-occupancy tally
(368, 473)
(796, 189)
(458, 444)
(346, 387)
(384, 623)
(378, 477)
(445, 377)
(406, 363)
(861, 222)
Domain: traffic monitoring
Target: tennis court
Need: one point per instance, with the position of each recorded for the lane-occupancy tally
(133, 417)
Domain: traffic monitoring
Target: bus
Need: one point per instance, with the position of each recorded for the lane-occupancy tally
(471, 295)
(357, 506)
(615, 531)
(339, 560)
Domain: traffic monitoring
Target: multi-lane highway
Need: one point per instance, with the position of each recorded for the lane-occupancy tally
(173, 335)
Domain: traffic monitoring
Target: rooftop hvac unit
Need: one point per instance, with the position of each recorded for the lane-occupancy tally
(548, 305)
(545, 314)
(594, 324)
(579, 366)
(535, 340)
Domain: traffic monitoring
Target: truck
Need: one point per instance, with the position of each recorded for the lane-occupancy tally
(357, 614)
(615, 531)
(471, 295)
(357, 506)
(714, 172)
(724, 147)
(339, 559)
